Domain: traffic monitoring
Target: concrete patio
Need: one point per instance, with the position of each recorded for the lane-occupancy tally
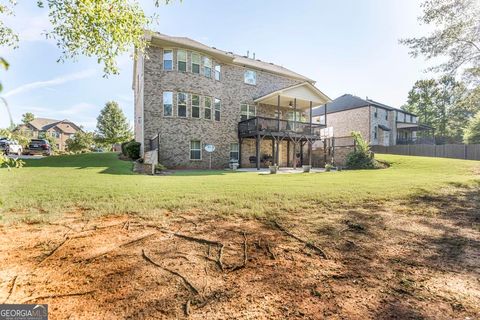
(283, 170)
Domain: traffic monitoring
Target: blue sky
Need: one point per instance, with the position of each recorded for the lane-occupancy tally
(347, 46)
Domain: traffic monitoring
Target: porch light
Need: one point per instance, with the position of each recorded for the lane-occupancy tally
(290, 104)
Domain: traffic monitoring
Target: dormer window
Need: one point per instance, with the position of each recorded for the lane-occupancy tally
(250, 77)
(167, 60)
(182, 60)
(207, 67)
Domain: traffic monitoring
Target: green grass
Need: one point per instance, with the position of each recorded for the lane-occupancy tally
(102, 184)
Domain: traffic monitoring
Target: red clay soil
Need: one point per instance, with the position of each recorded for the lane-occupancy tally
(381, 263)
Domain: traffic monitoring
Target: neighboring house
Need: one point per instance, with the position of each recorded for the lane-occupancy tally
(60, 130)
(378, 123)
(191, 95)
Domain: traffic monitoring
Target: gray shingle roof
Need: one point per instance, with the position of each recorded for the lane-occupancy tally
(348, 102)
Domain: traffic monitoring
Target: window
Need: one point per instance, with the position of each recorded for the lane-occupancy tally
(247, 112)
(207, 105)
(375, 132)
(234, 151)
(195, 106)
(167, 60)
(195, 150)
(182, 60)
(195, 63)
(167, 104)
(386, 115)
(182, 105)
(250, 77)
(55, 134)
(218, 70)
(375, 114)
(278, 114)
(217, 109)
(295, 116)
(207, 67)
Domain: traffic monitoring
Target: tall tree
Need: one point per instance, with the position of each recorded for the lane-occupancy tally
(81, 142)
(27, 117)
(472, 131)
(456, 36)
(112, 125)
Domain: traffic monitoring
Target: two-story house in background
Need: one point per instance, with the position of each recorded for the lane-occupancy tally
(189, 95)
(59, 130)
(378, 123)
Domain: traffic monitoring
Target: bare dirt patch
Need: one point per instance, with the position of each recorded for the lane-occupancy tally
(413, 259)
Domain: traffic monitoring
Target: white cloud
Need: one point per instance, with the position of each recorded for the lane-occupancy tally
(52, 82)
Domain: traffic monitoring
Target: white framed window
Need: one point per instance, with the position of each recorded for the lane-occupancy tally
(218, 70)
(207, 67)
(296, 116)
(207, 105)
(250, 77)
(182, 105)
(195, 106)
(196, 60)
(195, 150)
(168, 59)
(218, 105)
(278, 114)
(168, 104)
(375, 132)
(234, 151)
(182, 60)
(247, 111)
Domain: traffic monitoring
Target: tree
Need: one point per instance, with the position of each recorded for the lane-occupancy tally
(27, 117)
(456, 36)
(472, 131)
(81, 142)
(112, 125)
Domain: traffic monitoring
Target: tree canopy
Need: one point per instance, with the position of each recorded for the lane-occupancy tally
(456, 36)
(27, 117)
(112, 125)
(81, 141)
(472, 131)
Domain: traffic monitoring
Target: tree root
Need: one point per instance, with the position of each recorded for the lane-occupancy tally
(53, 251)
(245, 257)
(307, 243)
(59, 295)
(185, 280)
(12, 287)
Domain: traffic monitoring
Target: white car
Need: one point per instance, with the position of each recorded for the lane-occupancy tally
(10, 147)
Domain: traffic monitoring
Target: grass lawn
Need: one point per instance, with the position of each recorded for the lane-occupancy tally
(101, 184)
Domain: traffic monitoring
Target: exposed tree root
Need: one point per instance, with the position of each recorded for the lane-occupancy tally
(185, 280)
(271, 252)
(53, 251)
(59, 295)
(12, 287)
(245, 257)
(307, 243)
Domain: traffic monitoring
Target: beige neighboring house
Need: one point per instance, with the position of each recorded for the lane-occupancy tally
(60, 130)
(378, 123)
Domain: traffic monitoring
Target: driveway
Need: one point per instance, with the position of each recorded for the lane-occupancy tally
(25, 157)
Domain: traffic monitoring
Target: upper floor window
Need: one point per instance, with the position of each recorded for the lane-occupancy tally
(375, 114)
(386, 115)
(278, 114)
(182, 60)
(207, 67)
(195, 63)
(195, 106)
(182, 104)
(208, 107)
(217, 109)
(250, 77)
(296, 116)
(247, 111)
(167, 104)
(167, 59)
(375, 132)
(195, 150)
(218, 70)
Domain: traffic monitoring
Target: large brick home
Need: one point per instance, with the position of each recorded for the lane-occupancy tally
(378, 123)
(190, 95)
(60, 130)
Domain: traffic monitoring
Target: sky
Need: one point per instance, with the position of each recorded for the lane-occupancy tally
(347, 46)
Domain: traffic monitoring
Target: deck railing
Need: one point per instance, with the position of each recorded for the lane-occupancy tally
(263, 124)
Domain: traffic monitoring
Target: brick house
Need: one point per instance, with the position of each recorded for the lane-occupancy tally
(60, 130)
(189, 95)
(378, 123)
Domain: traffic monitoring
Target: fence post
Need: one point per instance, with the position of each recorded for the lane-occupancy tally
(465, 152)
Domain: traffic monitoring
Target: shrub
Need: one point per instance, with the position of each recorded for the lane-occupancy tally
(133, 150)
(362, 157)
(328, 167)
(160, 167)
(123, 145)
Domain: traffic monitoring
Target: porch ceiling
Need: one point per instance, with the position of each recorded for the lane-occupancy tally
(412, 126)
(304, 93)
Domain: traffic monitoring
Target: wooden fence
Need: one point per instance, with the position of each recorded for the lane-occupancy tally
(456, 151)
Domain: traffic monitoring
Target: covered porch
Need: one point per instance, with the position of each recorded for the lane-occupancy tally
(282, 141)
(415, 133)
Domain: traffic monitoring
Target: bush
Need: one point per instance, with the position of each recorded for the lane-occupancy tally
(362, 157)
(132, 150)
(123, 145)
